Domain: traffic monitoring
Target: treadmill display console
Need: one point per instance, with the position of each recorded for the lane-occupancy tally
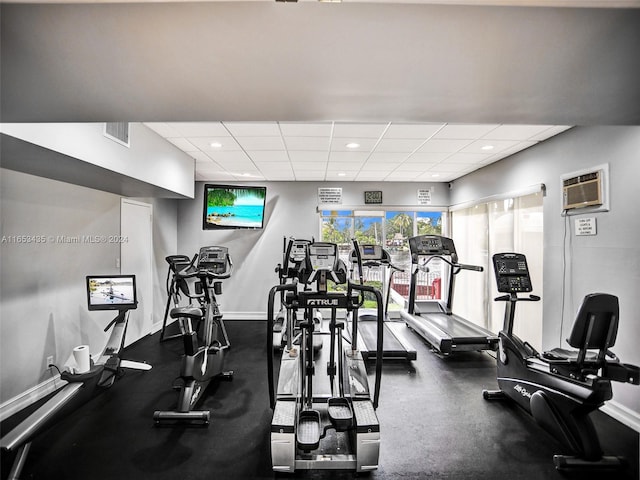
(371, 252)
(431, 245)
(512, 273)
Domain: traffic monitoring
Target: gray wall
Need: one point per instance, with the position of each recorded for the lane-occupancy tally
(291, 210)
(608, 261)
(42, 283)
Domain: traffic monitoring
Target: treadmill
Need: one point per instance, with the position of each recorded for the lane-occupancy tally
(434, 320)
(393, 346)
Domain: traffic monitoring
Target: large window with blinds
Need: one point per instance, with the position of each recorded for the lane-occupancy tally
(510, 224)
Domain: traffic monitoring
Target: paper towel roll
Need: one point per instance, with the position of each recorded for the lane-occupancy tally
(81, 355)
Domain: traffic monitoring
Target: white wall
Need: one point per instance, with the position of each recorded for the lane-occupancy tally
(149, 158)
(291, 210)
(607, 262)
(43, 302)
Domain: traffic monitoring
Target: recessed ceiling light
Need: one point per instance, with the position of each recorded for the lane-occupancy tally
(215, 145)
(341, 174)
(352, 145)
(487, 147)
(435, 175)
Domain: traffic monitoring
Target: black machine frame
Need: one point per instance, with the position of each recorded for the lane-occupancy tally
(561, 388)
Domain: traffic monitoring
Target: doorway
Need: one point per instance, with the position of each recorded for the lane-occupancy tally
(136, 257)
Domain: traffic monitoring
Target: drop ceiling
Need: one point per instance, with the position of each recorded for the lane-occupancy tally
(338, 151)
(283, 87)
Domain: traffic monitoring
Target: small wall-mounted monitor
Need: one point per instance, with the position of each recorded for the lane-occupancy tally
(231, 206)
(111, 292)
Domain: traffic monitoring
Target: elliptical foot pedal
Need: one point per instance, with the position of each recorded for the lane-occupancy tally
(228, 375)
(308, 431)
(173, 418)
(564, 463)
(340, 413)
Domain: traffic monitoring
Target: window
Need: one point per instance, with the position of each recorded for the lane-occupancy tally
(391, 229)
(480, 231)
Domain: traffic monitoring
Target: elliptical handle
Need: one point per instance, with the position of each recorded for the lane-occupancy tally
(475, 268)
(270, 307)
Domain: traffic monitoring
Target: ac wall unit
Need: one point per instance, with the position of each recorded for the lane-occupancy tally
(582, 191)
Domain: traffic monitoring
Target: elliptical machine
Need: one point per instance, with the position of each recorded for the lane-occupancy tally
(324, 422)
(560, 388)
(201, 363)
(295, 266)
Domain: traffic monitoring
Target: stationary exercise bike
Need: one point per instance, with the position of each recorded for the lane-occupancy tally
(201, 363)
(560, 388)
(176, 287)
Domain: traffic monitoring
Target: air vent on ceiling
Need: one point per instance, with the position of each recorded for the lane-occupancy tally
(118, 132)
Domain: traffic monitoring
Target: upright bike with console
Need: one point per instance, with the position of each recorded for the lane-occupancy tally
(201, 363)
(560, 388)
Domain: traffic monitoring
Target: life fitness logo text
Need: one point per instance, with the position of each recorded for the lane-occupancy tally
(322, 302)
(522, 391)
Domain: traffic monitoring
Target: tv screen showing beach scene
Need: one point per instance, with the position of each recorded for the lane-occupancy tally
(231, 206)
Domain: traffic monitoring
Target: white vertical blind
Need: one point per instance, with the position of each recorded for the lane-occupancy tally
(502, 224)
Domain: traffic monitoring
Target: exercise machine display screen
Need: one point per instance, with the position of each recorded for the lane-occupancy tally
(323, 256)
(371, 252)
(111, 292)
(512, 272)
(431, 245)
(298, 251)
(213, 259)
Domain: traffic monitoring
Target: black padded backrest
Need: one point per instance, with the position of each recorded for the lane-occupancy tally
(596, 324)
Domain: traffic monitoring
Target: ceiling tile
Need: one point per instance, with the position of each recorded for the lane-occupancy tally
(387, 157)
(428, 157)
(184, 144)
(498, 146)
(268, 156)
(310, 156)
(442, 145)
(306, 129)
(464, 131)
(224, 158)
(515, 132)
(307, 143)
(400, 145)
(253, 129)
(365, 144)
(408, 130)
(260, 143)
(348, 157)
(358, 130)
(199, 129)
(204, 143)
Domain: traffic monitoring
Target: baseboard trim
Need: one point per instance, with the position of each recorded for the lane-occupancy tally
(244, 315)
(31, 396)
(623, 414)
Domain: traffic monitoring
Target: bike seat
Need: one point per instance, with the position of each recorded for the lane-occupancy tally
(189, 312)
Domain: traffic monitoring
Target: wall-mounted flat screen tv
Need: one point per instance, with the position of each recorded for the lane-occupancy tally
(111, 292)
(233, 206)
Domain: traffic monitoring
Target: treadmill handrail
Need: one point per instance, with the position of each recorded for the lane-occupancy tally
(379, 343)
